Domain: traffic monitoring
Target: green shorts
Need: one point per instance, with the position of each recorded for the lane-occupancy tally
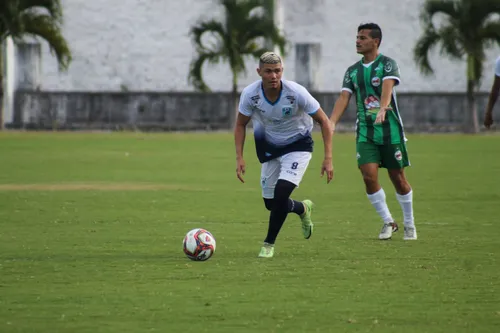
(393, 156)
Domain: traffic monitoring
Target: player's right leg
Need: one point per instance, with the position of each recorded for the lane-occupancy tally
(369, 159)
(268, 178)
(293, 168)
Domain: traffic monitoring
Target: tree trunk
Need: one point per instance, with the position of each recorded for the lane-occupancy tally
(471, 123)
(234, 101)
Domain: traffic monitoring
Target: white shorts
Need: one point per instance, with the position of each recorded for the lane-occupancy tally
(290, 167)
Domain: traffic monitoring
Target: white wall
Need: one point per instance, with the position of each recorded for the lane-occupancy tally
(144, 44)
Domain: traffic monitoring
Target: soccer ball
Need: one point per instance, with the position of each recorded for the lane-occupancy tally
(199, 244)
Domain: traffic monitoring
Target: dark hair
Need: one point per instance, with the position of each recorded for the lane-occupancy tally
(375, 32)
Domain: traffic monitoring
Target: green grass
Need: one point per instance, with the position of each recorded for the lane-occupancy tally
(109, 259)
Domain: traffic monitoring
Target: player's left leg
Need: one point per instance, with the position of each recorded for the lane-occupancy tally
(395, 159)
(369, 159)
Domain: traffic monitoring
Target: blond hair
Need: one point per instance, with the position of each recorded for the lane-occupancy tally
(269, 58)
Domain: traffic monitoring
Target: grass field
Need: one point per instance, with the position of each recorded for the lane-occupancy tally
(91, 227)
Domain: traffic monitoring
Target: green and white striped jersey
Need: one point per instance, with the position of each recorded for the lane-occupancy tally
(365, 82)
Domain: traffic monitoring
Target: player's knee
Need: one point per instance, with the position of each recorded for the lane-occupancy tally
(370, 179)
(269, 204)
(282, 193)
(397, 176)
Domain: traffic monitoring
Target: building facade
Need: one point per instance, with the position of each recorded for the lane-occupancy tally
(144, 45)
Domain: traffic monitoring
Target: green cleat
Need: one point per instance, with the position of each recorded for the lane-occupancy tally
(307, 225)
(267, 251)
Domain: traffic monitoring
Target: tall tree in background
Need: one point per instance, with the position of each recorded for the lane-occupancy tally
(34, 18)
(241, 33)
(468, 30)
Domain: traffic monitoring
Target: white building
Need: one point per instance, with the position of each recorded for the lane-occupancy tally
(144, 45)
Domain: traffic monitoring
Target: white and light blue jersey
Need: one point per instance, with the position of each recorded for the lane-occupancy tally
(284, 121)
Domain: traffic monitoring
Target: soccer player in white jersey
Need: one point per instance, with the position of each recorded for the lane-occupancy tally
(282, 113)
(495, 88)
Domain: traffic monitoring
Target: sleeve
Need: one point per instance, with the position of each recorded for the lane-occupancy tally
(305, 100)
(497, 67)
(391, 71)
(244, 106)
(347, 84)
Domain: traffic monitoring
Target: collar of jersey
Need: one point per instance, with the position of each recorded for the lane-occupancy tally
(371, 63)
(277, 99)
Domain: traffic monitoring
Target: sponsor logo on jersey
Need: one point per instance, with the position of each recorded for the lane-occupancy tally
(291, 99)
(375, 81)
(255, 99)
(263, 181)
(398, 155)
(372, 104)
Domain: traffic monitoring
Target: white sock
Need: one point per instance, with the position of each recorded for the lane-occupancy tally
(378, 201)
(406, 202)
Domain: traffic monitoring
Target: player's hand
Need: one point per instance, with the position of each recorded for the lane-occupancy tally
(381, 114)
(327, 168)
(488, 119)
(240, 169)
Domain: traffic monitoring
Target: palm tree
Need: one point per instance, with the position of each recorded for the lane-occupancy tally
(241, 34)
(36, 18)
(468, 30)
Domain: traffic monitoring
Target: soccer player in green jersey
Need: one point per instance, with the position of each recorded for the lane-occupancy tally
(380, 139)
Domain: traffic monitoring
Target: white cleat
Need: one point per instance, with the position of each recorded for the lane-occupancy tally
(387, 230)
(410, 233)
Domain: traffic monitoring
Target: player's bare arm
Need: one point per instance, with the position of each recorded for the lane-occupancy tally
(326, 131)
(495, 89)
(339, 108)
(385, 100)
(239, 140)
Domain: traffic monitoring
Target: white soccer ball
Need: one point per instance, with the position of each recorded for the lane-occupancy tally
(199, 244)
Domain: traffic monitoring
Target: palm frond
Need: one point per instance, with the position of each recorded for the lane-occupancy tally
(238, 36)
(44, 26)
(477, 12)
(433, 7)
(490, 33)
(450, 42)
(262, 28)
(202, 28)
(425, 44)
(196, 68)
(52, 7)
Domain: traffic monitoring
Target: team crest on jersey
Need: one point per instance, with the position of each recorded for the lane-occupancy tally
(375, 81)
(372, 104)
(286, 111)
(388, 67)
(398, 155)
